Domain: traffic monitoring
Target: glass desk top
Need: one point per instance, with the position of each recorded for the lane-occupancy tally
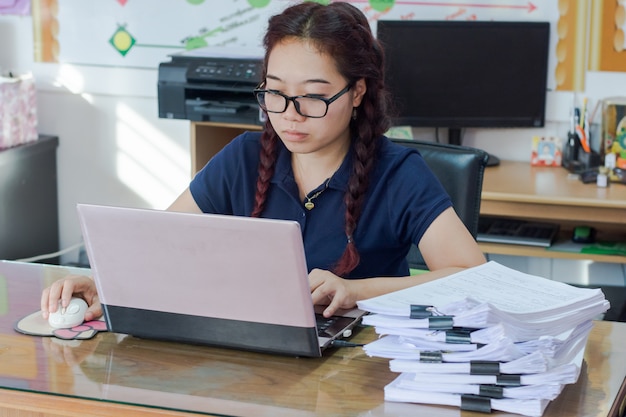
(114, 369)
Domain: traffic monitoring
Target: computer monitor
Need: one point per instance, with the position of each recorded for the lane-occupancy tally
(460, 74)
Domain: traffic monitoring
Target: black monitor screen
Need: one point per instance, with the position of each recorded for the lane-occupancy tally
(459, 74)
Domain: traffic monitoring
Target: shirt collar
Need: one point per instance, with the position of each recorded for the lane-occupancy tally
(284, 174)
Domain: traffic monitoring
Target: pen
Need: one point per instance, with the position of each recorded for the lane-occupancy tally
(582, 137)
(583, 113)
(586, 120)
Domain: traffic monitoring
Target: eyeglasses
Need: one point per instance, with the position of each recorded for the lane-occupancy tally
(308, 105)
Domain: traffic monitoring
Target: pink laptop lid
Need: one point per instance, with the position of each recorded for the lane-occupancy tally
(226, 267)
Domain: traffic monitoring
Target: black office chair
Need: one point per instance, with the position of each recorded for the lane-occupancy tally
(460, 170)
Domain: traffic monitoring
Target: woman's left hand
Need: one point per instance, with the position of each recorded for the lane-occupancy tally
(329, 289)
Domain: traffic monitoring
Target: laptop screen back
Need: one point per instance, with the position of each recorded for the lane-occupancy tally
(212, 279)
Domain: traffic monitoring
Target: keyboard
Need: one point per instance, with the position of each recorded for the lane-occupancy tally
(516, 232)
(329, 327)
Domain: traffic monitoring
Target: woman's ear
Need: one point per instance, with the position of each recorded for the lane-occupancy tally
(359, 90)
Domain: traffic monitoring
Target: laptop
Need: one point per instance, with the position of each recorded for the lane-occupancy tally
(227, 281)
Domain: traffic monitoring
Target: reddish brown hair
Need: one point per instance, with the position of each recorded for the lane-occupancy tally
(343, 32)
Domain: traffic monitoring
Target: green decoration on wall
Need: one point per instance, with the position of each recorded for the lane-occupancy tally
(382, 5)
(122, 40)
(259, 3)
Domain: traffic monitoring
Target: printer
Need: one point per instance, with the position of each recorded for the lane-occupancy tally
(212, 84)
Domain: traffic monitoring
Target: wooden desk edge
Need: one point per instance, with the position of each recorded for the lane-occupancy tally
(494, 201)
(29, 404)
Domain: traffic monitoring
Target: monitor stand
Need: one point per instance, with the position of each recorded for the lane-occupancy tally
(454, 138)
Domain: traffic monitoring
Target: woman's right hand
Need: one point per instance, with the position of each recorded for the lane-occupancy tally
(68, 287)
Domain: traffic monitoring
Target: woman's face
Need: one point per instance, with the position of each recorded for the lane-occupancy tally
(296, 68)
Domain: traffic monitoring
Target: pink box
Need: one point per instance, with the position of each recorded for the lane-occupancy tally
(18, 110)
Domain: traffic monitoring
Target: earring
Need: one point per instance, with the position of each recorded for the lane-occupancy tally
(354, 113)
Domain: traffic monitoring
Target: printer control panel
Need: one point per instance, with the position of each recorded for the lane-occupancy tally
(225, 71)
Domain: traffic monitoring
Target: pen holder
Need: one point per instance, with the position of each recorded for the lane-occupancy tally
(575, 159)
(570, 151)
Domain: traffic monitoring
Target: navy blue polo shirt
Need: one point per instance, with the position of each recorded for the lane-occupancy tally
(403, 199)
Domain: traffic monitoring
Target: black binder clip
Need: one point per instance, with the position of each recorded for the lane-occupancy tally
(431, 356)
(509, 380)
(491, 391)
(484, 368)
(441, 322)
(436, 320)
(459, 336)
(475, 403)
(421, 311)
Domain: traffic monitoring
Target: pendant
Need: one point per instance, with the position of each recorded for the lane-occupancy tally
(309, 205)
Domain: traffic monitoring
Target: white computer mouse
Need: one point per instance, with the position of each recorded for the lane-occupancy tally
(72, 315)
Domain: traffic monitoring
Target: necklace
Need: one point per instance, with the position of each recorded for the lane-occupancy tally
(310, 205)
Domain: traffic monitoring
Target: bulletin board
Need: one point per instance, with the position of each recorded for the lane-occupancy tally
(140, 34)
(607, 40)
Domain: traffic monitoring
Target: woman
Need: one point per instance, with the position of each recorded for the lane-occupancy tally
(323, 161)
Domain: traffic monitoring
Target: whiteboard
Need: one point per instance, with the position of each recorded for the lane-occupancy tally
(136, 34)
(92, 36)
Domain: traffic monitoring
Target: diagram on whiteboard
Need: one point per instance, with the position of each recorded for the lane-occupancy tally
(141, 33)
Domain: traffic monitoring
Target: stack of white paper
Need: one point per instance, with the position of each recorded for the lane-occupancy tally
(488, 338)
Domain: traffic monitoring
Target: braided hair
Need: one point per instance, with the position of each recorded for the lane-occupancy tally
(342, 31)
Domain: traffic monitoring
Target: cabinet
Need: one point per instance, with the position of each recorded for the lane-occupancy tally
(518, 190)
(29, 224)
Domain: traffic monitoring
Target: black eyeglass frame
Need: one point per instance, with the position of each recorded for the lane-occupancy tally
(294, 99)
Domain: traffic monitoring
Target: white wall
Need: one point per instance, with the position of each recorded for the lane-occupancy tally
(115, 150)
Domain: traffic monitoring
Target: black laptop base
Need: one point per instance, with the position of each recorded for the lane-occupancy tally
(246, 335)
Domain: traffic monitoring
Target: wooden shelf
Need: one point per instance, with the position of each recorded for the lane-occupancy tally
(207, 138)
(538, 252)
